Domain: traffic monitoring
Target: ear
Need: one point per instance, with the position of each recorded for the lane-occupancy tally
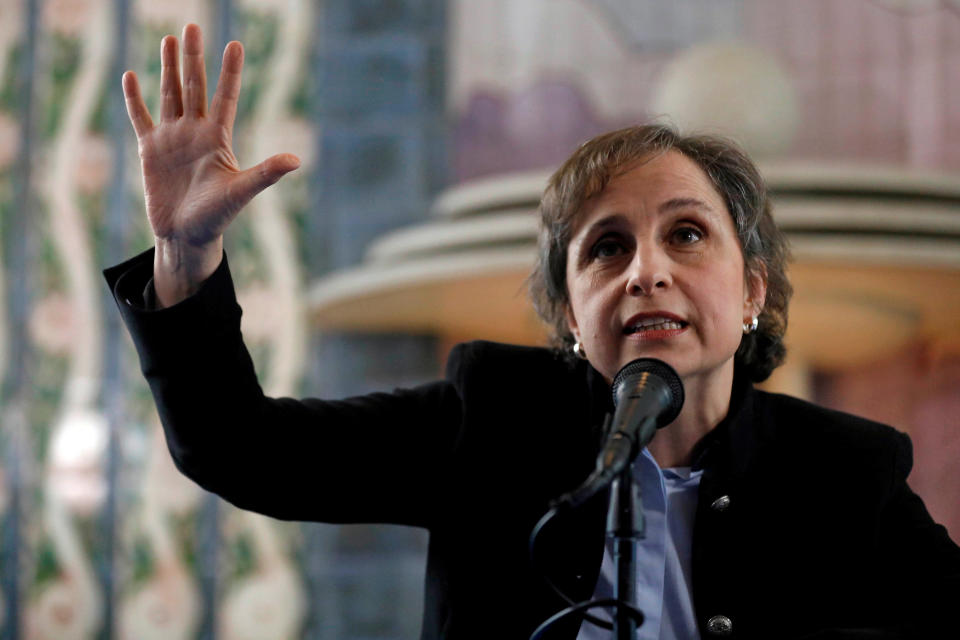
(755, 291)
(572, 323)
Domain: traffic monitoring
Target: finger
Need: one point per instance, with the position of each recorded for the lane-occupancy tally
(171, 98)
(249, 183)
(223, 108)
(194, 74)
(136, 108)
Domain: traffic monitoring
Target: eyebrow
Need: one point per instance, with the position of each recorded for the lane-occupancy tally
(670, 205)
(683, 203)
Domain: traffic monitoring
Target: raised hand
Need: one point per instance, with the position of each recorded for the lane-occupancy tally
(192, 184)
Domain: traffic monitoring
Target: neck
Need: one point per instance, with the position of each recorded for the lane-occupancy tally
(707, 403)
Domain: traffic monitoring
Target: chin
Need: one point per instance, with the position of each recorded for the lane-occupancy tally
(660, 352)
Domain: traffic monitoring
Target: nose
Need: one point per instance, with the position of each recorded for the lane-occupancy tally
(649, 271)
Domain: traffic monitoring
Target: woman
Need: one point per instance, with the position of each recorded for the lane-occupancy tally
(768, 517)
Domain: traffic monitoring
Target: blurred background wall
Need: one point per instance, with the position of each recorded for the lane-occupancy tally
(388, 103)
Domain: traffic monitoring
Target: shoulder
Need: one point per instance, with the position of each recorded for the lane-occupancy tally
(513, 373)
(795, 413)
(842, 437)
(510, 360)
(541, 403)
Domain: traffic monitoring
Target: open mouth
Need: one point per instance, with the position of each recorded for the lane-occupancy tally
(654, 324)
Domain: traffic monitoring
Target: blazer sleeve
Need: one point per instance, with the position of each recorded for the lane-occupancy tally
(376, 458)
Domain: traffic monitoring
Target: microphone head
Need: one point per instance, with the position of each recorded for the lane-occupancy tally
(649, 372)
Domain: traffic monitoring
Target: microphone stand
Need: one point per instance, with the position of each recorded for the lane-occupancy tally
(648, 394)
(625, 524)
(656, 392)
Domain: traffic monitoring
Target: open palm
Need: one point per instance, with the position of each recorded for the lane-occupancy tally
(192, 184)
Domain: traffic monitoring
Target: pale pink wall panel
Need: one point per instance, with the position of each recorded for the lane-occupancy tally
(844, 68)
(873, 83)
(884, 39)
(923, 92)
(950, 74)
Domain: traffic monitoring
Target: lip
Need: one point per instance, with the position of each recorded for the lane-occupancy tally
(650, 334)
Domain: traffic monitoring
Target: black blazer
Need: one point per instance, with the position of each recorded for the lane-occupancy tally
(821, 537)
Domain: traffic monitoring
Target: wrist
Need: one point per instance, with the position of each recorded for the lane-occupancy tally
(179, 268)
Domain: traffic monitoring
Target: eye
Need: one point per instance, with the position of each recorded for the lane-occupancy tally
(607, 247)
(686, 235)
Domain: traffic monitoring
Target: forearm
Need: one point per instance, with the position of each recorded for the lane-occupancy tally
(193, 357)
(371, 458)
(179, 268)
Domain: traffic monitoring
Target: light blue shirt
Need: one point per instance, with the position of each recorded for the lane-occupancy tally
(664, 584)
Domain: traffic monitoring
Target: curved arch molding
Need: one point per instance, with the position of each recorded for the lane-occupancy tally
(876, 264)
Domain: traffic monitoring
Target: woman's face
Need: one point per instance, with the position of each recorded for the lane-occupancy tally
(654, 269)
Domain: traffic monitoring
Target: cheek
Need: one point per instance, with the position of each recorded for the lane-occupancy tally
(723, 304)
(593, 305)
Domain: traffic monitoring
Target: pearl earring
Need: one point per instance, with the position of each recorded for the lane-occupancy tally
(578, 351)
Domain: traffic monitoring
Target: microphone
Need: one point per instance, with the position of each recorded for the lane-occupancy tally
(648, 395)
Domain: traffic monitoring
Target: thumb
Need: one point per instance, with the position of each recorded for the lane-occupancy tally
(247, 184)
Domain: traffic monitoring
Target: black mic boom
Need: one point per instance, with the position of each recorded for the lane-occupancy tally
(648, 395)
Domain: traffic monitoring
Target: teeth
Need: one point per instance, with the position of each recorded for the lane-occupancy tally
(655, 325)
(649, 322)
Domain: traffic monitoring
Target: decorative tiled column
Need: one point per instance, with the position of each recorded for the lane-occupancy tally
(379, 73)
(18, 235)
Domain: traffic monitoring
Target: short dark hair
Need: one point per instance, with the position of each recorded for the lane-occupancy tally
(737, 180)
